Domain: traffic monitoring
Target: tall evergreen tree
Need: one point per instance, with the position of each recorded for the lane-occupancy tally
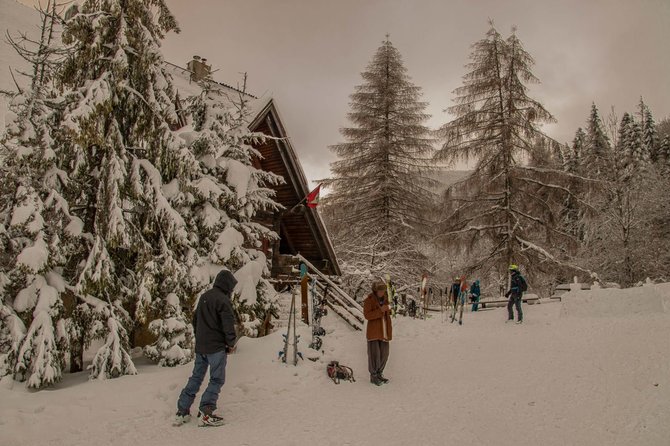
(381, 195)
(649, 133)
(121, 152)
(573, 208)
(229, 193)
(37, 231)
(664, 153)
(506, 211)
(597, 144)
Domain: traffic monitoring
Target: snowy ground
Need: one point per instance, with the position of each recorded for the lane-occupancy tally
(567, 376)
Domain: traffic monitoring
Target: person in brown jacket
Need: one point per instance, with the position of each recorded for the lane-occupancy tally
(377, 312)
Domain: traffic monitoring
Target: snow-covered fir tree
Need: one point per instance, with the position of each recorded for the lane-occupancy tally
(630, 206)
(596, 145)
(507, 210)
(573, 207)
(649, 133)
(381, 199)
(228, 193)
(117, 139)
(37, 232)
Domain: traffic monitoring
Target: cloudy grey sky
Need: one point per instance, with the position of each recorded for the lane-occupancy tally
(308, 54)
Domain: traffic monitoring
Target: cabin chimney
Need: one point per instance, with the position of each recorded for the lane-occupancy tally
(199, 69)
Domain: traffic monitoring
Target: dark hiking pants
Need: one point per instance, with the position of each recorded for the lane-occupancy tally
(514, 300)
(378, 354)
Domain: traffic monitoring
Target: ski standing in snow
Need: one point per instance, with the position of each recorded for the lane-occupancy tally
(215, 337)
(457, 298)
(291, 337)
(377, 312)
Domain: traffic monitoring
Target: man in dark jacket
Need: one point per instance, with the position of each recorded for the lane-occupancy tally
(214, 326)
(516, 289)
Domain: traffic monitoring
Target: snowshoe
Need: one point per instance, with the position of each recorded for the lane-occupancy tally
(207, 420)
(180, 419)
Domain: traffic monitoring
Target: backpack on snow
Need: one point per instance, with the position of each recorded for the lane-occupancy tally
(336, 372)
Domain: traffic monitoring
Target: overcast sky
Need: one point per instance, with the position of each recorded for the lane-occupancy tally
(308, 54)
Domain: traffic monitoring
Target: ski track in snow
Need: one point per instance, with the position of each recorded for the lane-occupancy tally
(551, 381)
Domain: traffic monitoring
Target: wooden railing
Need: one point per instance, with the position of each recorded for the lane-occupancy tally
(337, 300)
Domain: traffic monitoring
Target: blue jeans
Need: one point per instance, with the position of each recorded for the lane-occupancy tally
(217, 376)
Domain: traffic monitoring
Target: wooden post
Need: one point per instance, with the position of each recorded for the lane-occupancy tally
(304, 292)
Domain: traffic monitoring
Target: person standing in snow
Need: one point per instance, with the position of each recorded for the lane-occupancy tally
(379, 332)
(215, 337)
(475, 292)
(517, 287)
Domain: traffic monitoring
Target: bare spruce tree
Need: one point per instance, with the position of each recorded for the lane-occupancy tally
(381, 196)
(507, 211)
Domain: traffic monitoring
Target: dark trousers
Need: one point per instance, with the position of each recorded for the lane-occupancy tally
(216, 362)
(378, 354)
(514, 300)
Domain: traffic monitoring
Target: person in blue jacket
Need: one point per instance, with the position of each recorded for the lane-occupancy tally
(475, 293)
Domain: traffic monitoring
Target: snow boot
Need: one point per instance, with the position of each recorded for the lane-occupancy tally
(210, 419)
(181, 418)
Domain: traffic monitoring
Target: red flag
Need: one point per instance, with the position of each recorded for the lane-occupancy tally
(313, 197)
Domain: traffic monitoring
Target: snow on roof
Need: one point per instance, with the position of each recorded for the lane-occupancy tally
(182, 81)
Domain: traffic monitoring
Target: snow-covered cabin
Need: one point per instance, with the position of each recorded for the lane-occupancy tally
(301, 231)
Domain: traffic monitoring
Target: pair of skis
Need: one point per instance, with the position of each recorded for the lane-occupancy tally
(460, 302)
(283, 354)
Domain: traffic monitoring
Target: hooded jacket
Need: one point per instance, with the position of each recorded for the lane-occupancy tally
(214, 320)
(379, 322)
(474, 289)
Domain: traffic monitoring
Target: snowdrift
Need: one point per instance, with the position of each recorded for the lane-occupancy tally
(613, 302)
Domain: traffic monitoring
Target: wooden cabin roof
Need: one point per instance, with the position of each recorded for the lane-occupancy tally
(305, 232)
